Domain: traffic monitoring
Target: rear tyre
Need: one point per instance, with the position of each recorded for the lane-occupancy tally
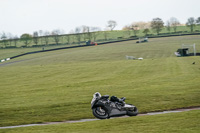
(100, 112)
(133, 112)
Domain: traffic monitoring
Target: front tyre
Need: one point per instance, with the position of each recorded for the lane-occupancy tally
(100, 112)
(133, 112)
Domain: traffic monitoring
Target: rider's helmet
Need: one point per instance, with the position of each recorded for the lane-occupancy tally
(97, 95)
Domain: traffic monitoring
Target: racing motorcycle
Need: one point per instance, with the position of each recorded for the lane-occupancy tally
(103, 108)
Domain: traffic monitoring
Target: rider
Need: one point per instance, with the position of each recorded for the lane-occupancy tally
(97, 95)
(112, 98)
(116, 99)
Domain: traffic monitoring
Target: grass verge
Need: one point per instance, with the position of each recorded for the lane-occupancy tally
(184, 122)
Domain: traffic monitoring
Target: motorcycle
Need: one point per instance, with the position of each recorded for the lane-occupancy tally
(103, 108)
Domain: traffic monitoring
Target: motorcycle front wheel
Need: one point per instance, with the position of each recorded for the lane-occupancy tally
(133, 112)
(100, 112)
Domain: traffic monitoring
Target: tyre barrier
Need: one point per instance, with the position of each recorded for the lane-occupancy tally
(61, 49)
(4, 59)
(123, 40)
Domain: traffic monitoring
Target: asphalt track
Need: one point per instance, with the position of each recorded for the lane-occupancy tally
(86, 120)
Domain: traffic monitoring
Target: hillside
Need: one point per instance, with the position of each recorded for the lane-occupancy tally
(58, 85)
(99, 36)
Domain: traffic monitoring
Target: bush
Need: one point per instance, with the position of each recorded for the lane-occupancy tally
(37, 46)
(10, 47)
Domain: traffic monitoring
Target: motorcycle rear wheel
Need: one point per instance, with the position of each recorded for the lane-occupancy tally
(132, 112)
(100, 112)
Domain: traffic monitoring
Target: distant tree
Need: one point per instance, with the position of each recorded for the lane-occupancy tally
(146, 31)
(86, 36)
(4, 38)
(62, 38)
(26, 38)
(46, 37)
(127, 30)
(15, 39)
(95, 32)
(35, 37)
(157, 24)
(41, 32)
(3, 35)
(168, 26)
(68, 39)
(73, 36)
(112, 24)
(198, 21)
(143, 25)
(174, 23)
(86, 30)
(134, 27)
(78, 34)
(126, 27)
(10, 38)
(105, 34)
(90, 32)
(55, 35)
(191, 23)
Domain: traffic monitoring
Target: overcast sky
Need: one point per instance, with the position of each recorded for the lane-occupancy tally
(27, 16)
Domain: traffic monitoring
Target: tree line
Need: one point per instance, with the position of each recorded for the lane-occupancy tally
(157, 25)
(90, 33)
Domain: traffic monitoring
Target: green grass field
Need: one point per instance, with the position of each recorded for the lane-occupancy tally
(185, 122)
(58, 85)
